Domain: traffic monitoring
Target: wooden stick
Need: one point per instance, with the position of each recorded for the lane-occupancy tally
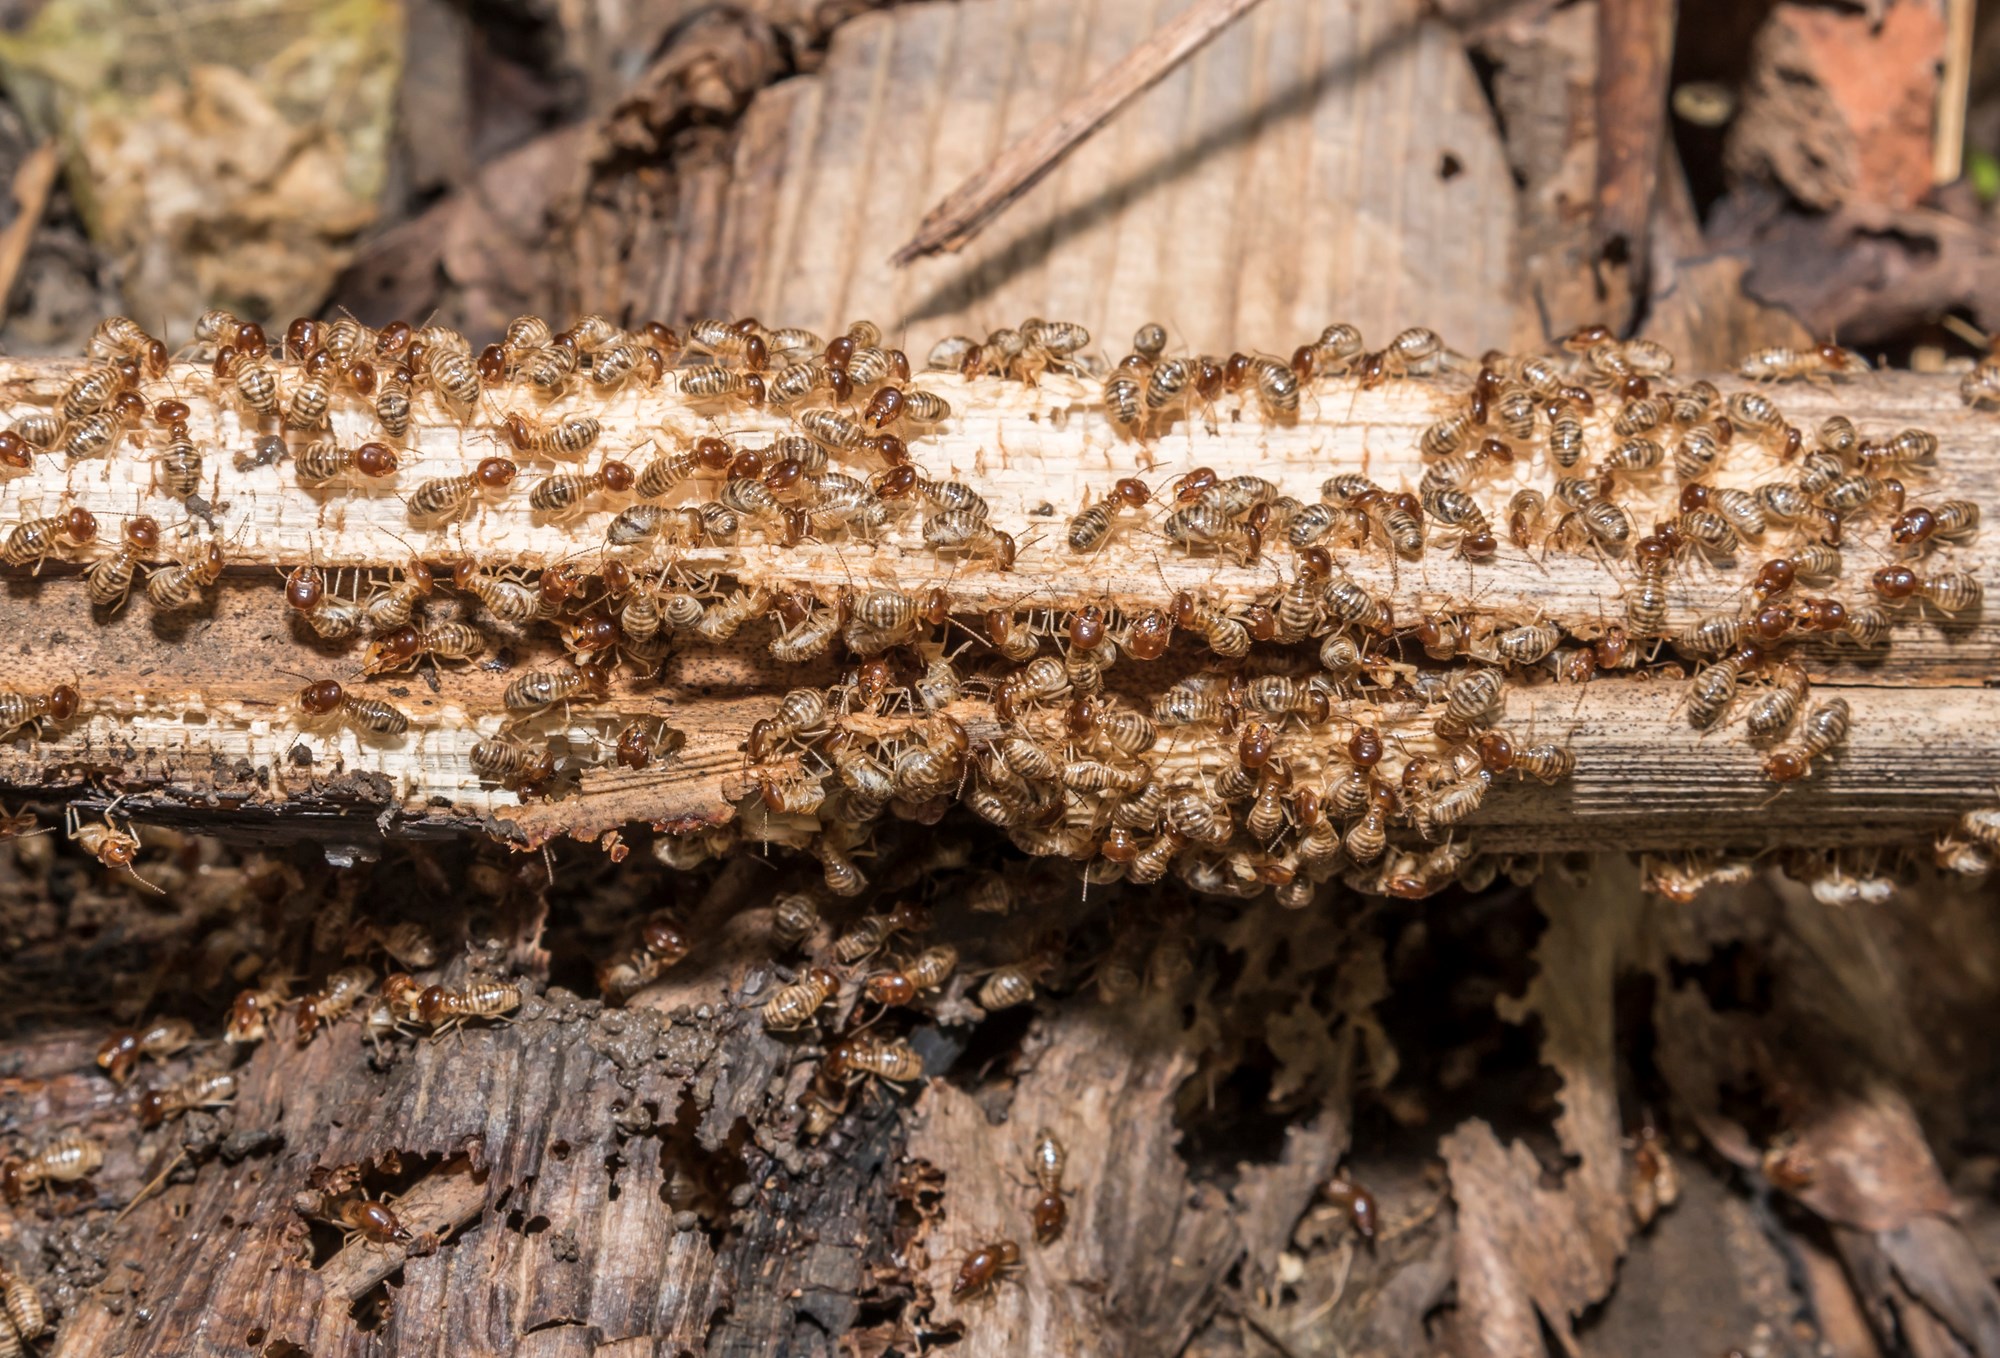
(966, 210)
(33, 180)
(1635, 49)
(192, 715)
(1954, 88)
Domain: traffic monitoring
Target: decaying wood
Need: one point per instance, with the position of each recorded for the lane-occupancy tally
(191, 714)
(1309, 163)
(967, 209)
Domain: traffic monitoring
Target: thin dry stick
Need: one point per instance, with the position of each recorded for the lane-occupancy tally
(966, 210)
(32, 183)
(1948, 148)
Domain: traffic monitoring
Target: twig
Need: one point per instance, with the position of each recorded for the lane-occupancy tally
(1948, 144)
(157, 1180)
(965, 211)
(1635, 45)
(33, 179)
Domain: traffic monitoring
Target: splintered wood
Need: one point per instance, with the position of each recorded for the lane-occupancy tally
(1387, 615)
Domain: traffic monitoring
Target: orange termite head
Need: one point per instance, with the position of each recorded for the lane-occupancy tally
(304, 588)
(936, 606)
(64, 702)
(151, 1107)
(375, 459)
(1189, 487)
(117, 1053)
(393, 648)
(664, 941)
(891, 988)
(1148, 636)
(80, 526)
(321, 697)
(1786, 765)
(433, 1005)
(1086, 629)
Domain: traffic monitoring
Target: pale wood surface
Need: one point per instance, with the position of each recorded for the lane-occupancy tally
(1292, 173)
(191, 713)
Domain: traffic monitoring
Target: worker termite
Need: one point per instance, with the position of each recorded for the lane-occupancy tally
(1773, 713)
(893, 1060)
(1778, 364)
(1950, 520)
(1089, 528)
(566, 439)
(114, 848)
(641, 742)
(394, 605)
(38, 539)
(538, 689)
(482, 997)
(1050, 1212)
(182, 582)
(717, 384)
(450, 497)
(326, 698)
(343, 990)
(875, 931)
(323, 461)
(250, 1014)
(328, 614)
(512, 764)
(794, 1006)
(811, 636)
(1713, 688)
(1947, 591)
(117, 337)
(566, 491)
(109, 580)
(984, 1267)
(795, 917)
(1012, 985)
(59, 704)
(67, 1159)
(213, 1090)
(1825, 726)
(408, 644)
(120, 1052)
(928, 970)
(372, 1221)
(661, 944)
(24, 1302)
(1359, 1204)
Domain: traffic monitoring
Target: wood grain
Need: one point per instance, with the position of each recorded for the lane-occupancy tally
(1315, 163)
(190, 715)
